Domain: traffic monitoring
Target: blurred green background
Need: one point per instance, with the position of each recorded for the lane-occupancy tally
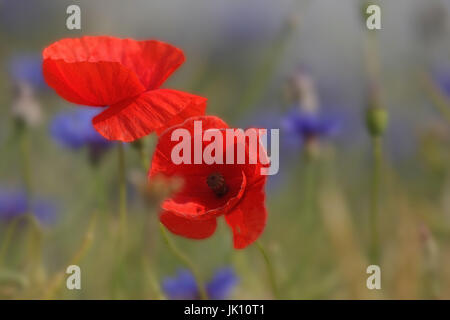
(243, 56)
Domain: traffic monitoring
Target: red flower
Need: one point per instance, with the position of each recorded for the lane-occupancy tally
(235, 191)
(125, 75)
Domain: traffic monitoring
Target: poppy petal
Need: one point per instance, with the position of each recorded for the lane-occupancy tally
(248, 219)
(196, 200)
(151, 61)
(208, 122)
(161, 161)
(153, 110)
(193, 229)
(91, 84)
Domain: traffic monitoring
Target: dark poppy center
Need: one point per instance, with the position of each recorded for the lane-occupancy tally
(216, 183)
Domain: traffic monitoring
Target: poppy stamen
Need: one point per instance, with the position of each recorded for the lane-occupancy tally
(217, 184)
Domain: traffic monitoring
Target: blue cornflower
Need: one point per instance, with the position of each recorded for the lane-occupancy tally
(442, 78)
(298, 129)
(301, 126)
(12, 204)
(26, 68)
(73, 129)
(15, 203)
(45, 211)
(222, 283)
(183, 285)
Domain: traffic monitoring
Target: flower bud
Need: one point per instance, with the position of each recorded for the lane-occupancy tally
(363, 7)
(376, 120)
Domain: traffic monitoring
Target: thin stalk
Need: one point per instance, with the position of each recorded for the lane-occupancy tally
(7, 238)
(270, 270)
(308, 205)
(307, 210)
(372, 58)
(440, 101)
(143, 154)
(121, 239)
(34, 251)
(122, 190)
(185, 260)
(100, 195)
(152, 280)
(36, 236)
(269, 62)
(25, 157)
(56, 282)
(374, 249)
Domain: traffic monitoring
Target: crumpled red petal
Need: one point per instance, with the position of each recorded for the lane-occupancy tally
(248, 219)
(151, 61)
(193, 229)
(197, 201)
(125, 75)
(153, 110)
(91, 84)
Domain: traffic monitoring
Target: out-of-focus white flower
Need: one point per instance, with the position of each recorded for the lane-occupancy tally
(25, 106)
(302, 91)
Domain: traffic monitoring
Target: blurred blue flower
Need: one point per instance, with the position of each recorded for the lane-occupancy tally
(12, 204)
(15, 203)
(297, 127)
(184, 287)
(45, 211)
(302, 126)
(222, 283)
(73, 129)
(26, 68)
(442, 78)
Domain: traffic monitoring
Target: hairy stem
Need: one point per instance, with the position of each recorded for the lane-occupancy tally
(122, 190)
(186, 261)
(270, 270)
(374, 249)
(56, 282)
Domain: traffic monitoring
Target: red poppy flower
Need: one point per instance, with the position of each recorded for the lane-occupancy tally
(235, 191)
(125, 75)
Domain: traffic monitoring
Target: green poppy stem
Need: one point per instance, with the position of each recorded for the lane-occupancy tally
(185, 260)
(374, 249)
(57, 281)
(152, 279)
(122, 190)
(270, 270)
(24, 145)
(35, 236)
(309, 201)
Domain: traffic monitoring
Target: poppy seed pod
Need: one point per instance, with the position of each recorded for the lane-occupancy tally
(376, 120)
